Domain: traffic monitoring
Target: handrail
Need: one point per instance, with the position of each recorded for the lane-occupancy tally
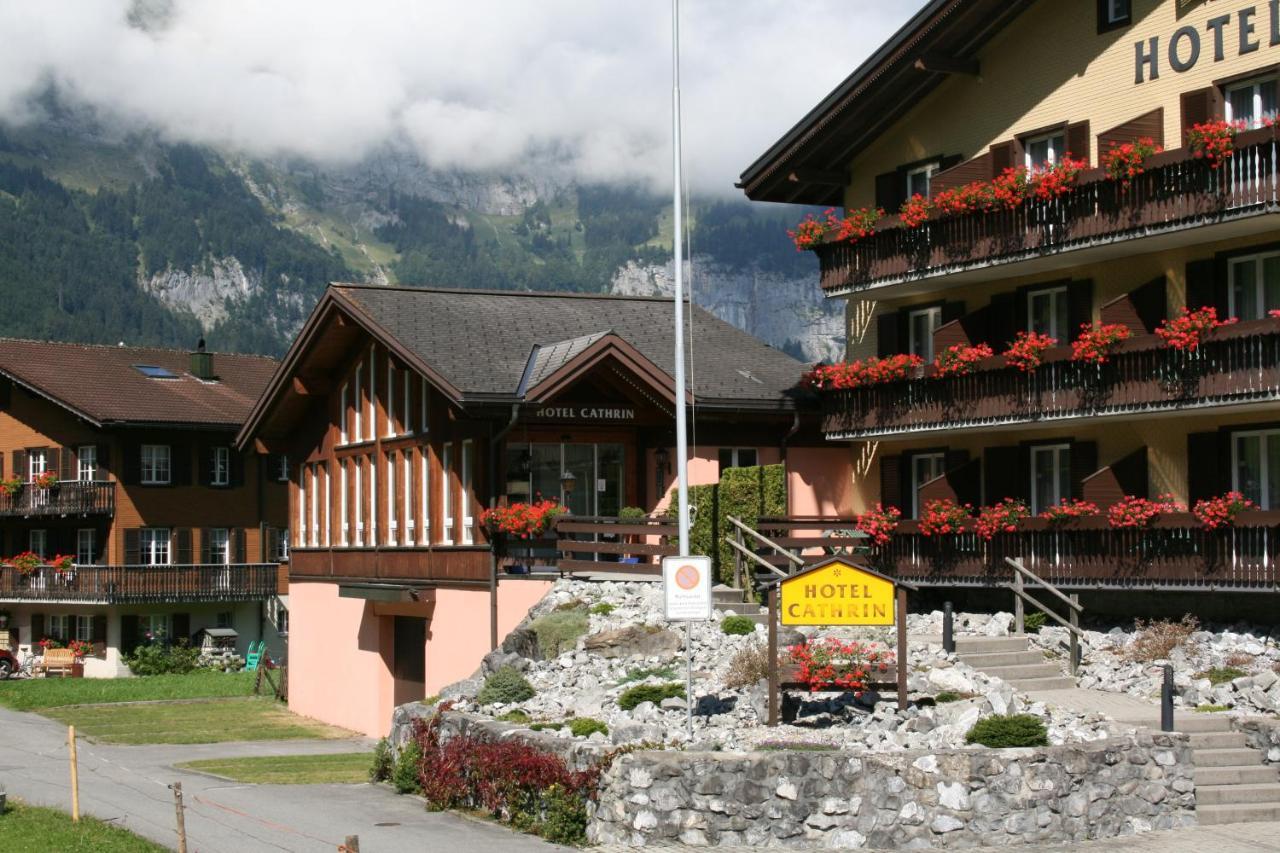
(1018, 567)
(1073, 603)
(766, 541)
(747, 552)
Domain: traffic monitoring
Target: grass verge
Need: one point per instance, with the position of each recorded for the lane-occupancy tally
(192, 721)
(31, 828)
(345, 768)
(40, 693)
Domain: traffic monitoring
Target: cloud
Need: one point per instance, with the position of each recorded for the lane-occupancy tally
(485, 84)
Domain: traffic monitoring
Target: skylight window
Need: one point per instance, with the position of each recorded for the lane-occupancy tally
(154, 372)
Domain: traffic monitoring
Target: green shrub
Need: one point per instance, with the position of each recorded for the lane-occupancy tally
(1222, 674)
(515, 715)
(1033, 622)
(404, 775)
(947, 696)
(643, 672)
(380, 770)
(655, 693)
(632, 512)
(1009, 730)
(559, 630)
(738, 625)
(542, 727)
(587, 726)
(506, 685)
(160, 659)
(604, 608)
(565, 820)
(745, 493)
(1211, 709)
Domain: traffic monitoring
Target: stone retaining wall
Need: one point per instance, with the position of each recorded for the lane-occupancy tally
(1260, 733)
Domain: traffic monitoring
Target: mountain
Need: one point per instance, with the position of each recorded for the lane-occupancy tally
(113, 235)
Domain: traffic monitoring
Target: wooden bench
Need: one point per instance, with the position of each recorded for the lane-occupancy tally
(60, 661)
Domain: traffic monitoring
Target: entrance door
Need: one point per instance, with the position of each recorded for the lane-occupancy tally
(409, 659)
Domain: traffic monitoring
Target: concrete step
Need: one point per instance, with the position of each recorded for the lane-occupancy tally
(990, 645)
(1237, 813)
(1228, 758)
(740, 608)
(1029, 670)
(1221, 795)
(1193, 723)
(1026, 685)
(1002, 659)
(1233, 776)
(1217, 740)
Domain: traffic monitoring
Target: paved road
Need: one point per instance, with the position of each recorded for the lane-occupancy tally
(128, 786)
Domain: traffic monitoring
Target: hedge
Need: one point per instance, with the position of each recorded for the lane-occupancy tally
(748, 494)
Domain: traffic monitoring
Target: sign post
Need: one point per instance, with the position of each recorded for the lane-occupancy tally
(686, 596)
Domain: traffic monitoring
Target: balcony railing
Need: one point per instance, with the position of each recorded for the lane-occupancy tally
(138, 584)
(601, 544)
(1175, 553)
(1235, 364)
(69, 497)
(1176, 192)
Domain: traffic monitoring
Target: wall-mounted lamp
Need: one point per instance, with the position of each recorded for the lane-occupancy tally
(567, 482)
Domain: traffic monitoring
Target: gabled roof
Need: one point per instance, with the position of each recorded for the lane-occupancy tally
(546, 359)
(809, 164)
(103, 385)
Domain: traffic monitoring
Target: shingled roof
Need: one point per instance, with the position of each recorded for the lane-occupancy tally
(482, 342)
(103, 384)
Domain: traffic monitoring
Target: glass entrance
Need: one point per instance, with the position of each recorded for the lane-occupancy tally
(586, 478)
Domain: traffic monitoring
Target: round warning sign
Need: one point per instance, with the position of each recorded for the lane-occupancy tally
(686, 583)
(687, 576)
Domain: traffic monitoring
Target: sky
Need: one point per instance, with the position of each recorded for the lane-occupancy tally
(478, 85)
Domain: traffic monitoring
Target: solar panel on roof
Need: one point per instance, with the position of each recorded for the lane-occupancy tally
(155, 372)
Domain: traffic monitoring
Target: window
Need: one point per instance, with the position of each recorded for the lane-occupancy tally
(406, 409)
(37, 463)
(224, 619)
(58, 626)
(1050, 476)
(358, 402)
(302, 506)
(393, 522)
(424, 483)
(87, 463)
(1255, 466)
(373, 500)
(359, 467)
(313, 521)
(925, 468)
(1045, 150)
(155, 464)
(219, 546)
(1254, 286)
(154, 546)
(423, 425)
(278, 614)
(446, 494)
(468, 496)
(1252, 101)
(282, 547)
(84, 628)
(344, 515)
(1114, 13)
(921, 324)
(738, 457)
(344, 406)
(373, 394)
(1047, 313)
(391, 400)
(86, 546)
(220, 474)
(38, 542)
(154, 626)
(919, 178)
(407, 477)
(328, 502)
(151, 371)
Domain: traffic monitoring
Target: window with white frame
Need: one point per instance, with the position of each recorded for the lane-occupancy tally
(358, 464)
(1046, 150)
(84, 628)
(925, 468)
(468, 491)
(1047, 312)
(220, 475)
(1253, 286)
(1255, 466)
(919, 179)
(738, 457)
(87, 463)
(358, 402)
(1050, 476)
(86, 546)
(282, 547)
(446, 493)
(302, 506)
(38, 542)
(219, 546)
(328, 502)
(344, 515)
(424, 485)
(373, 394)
(344, 397)
(373, 499)
(391, 399)
(407, 478)
(1118, 12)
(58, 626)
(393, 521)
(921, 324)
(406, 404)
(154, 546)
(155, 464)
(1252, 101)
(313, 519)
(155, 626)
(37, 463)
(424, 424)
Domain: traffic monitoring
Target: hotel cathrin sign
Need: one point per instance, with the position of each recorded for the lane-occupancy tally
(1238, 32)
(595, 413)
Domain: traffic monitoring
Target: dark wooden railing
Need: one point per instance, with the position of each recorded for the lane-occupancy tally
(619, 545)
(1235, 364)
(1175, 553)
(1176, 191)
(126, 584)
(70, 497)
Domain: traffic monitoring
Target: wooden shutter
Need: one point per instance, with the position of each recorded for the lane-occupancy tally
(1131, 473)
(889, 340)
(960, 174)
(128, 632)
(132, 546)
(1084, 463)
(1005, 155)
(131, 473)
(182, 546)
(1206, 286)
(180, 464)
(964, 476)
(236, 461)
(891, 190)
(67, 465)
(1000, 474)
(104, 461)
(1208, 465)
(181, 627)
(20, 464)
(237, 544)
(1079, 307)
(37, 627)
(270, 543)
(99, 628)
(1, 463)
(206, 541)
(952, 311)
(1146, 306)
(1200, 106)
(1149, 124)
(6, 393)
(891, 472)
(1079, 141)
(204, 464)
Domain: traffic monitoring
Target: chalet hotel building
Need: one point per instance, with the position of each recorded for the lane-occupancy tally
(966, 90)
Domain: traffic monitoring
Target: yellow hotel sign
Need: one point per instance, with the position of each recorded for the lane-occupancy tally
(837, 593)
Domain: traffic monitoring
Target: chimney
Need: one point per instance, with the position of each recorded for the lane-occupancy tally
(202, 363)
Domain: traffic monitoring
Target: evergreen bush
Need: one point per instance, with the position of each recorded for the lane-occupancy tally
(506, 685)
(380, 770)
(1001, 731)
(737, 626)
(161, 659)
(747, 494)
(1033, 622)
(655, 693)
(559, 630)
(404, 775)
(587, 726)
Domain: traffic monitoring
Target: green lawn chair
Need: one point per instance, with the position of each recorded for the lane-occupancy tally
(254, 657)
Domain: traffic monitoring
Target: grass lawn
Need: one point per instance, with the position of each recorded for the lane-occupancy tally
(342, 768)
(192, 721)
(39, 830)
(36, 694)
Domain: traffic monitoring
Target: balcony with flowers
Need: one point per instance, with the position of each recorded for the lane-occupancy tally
(1026, 222)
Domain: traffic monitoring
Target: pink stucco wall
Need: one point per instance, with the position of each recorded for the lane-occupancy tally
(820, 481)
(340, 649)
(704, 469)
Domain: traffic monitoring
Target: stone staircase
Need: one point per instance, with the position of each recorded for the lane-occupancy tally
(1013, 660)
(727, 598)
(1232, 783)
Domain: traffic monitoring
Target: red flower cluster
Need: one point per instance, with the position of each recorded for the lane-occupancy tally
(1274, 315)
(1125, 162)
(49, 643)
(811, 231)
(1185, 332)
(1069, 510)
(1213, 141)
(1001, 518)
(526, 521)
(28, 561)
(856, 224)
(970, 198)
(879, 524)
(960, 359)
(832, 663)
(45, 480)
(1098, 341)
(1027, 350)
(915, 211)
(1133, 512)
(944, 516)
(1050, 182)
(80, 648)
(857, 374)
(1221, 511)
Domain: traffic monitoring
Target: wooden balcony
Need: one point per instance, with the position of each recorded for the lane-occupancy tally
(67, 498)
(142, 584)
(607, 545)
(1175, 554)
(1237, 364)
(1177, 192)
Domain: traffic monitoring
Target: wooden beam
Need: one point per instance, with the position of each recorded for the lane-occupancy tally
(818, 176)
(309, 385)
(946, 64)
